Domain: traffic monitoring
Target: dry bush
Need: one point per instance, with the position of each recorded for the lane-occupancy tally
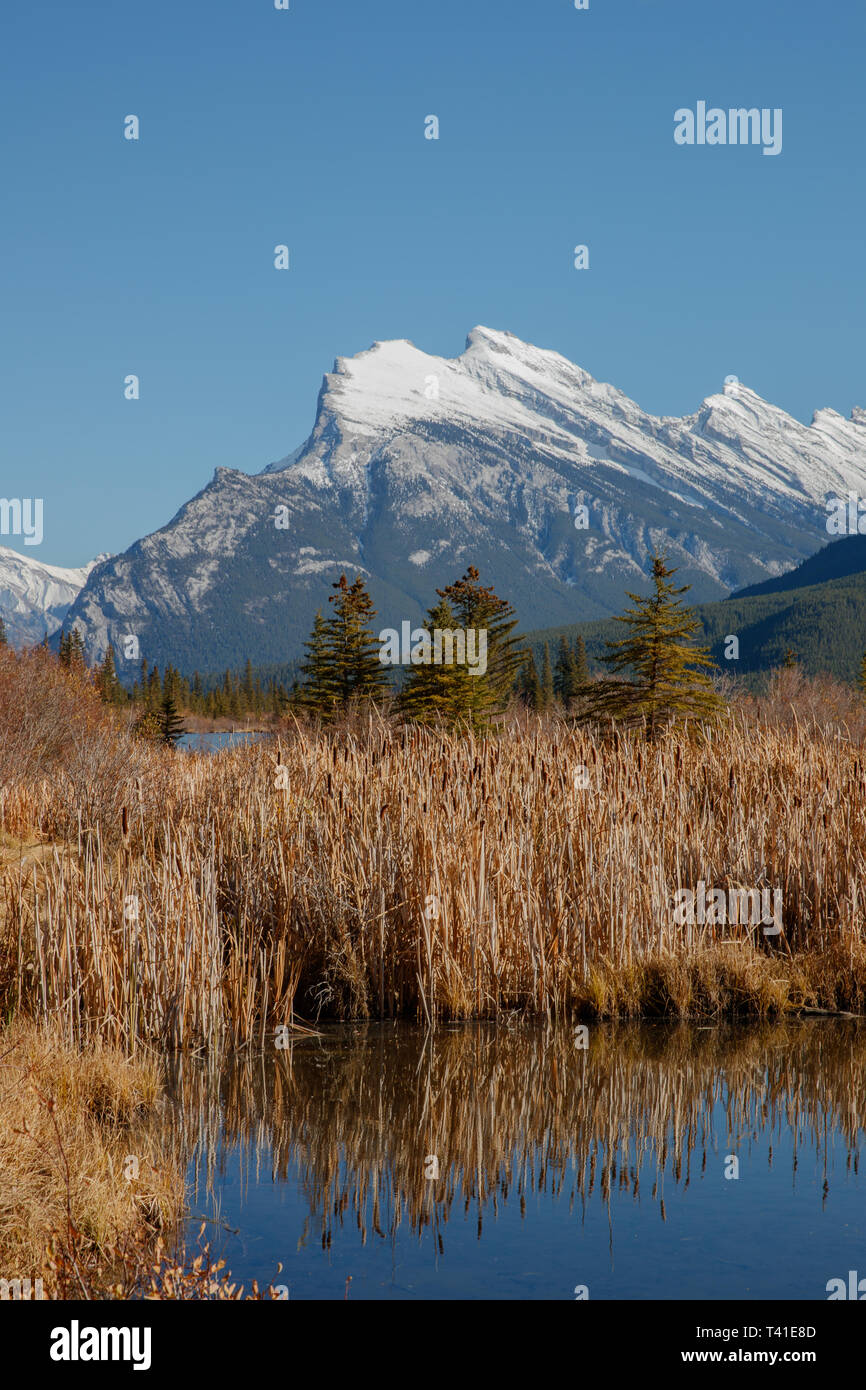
(67, 763)
(793, 699)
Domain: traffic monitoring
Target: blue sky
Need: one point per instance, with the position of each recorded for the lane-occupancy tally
(306, 127)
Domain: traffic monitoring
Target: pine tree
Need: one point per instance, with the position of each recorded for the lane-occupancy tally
(528, 685)
(669, 683)
(342, 663)
(547, 692)
(863, 674)
(247, 689)
(353, 650)
(4, 640)
(431, 689)
(106, 678)
(581, 663)
(171, 726)
(565, 679)
(154, 689)
(477, 697)
(316, 693)
(71, 651)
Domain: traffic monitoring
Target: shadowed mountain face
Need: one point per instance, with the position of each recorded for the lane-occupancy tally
(418, 466)
(838, 560)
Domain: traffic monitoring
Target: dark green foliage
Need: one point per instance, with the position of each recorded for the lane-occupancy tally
(107, 683)
(547, 692)
(171, 726)
(528, 685)
(71, 650)
(316, 693)
(342, 665)
(566, 679)
(431, 690)
(580, 662)
(824, 624)
(668, 680)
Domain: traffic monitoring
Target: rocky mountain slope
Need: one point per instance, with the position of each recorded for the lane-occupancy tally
(35, 598)
(419, 465)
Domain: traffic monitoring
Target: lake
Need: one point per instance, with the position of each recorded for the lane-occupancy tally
(512, 1162)
(212, 741)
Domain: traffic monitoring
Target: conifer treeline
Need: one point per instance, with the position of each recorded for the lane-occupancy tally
(659, 677)
(232, 696)
(344, 665)
(560, 683)
(461, 668)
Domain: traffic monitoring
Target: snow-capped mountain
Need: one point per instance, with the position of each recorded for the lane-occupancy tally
(35, 598)
(418, 466)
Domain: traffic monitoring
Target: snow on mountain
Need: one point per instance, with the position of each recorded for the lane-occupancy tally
(420, 465)
(34, 597)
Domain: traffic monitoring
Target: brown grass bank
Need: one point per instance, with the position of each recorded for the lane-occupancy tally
(378, 871)
(81, 1173)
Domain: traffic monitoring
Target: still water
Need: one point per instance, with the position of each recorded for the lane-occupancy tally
(212, 741)
(657, 1162)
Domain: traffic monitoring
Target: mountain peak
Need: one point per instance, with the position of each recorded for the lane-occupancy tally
(420, 464)
(498, 339)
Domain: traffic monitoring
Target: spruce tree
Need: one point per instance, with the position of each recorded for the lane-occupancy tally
(476, 607)
(547, 692)
(669, 682)
(581, 663)
(247, 685)
(154, 690)
(106, 678)
(353, 648)
(343, 663)
(528, 684)
(71, 651)
(565, 678)
(432, 690)
(4, 641)
(316, 693)
(171, 726)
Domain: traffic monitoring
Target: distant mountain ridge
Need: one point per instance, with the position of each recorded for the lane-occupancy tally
(35, 598)
(836, 560)
(823, 623)
(419, 465)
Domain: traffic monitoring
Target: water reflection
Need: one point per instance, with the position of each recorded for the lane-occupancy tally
(548, 1156)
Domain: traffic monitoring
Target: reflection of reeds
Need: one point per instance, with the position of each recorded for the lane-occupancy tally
(511, 1112)
(411, 873)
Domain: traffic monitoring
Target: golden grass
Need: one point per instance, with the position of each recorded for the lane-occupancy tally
(69, 1122)
(379, 871)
